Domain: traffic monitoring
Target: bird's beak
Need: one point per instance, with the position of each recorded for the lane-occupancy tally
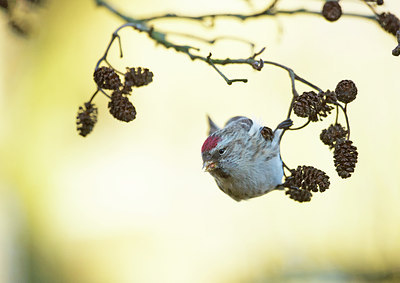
(209, 165)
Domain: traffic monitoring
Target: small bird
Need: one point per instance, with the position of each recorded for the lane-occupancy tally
(243, 162)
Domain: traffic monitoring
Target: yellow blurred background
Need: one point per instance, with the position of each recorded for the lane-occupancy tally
(130, 203)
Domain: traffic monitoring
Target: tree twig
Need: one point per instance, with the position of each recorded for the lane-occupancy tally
(160, 38)
(346, 117)
(301, 127)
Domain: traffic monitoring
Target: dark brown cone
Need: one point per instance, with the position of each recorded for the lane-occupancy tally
(121, 108)
(299, 195)
(389, 22)
(136, 78)
(311, 105)
(107, 78)
(332, 11)
(308, 178)
(346, 91)
(331, 135)
(330, 97)
(267, 133)
(86, 119)
(345, 158)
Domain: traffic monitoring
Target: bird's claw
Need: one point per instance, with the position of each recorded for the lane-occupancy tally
(285, 124)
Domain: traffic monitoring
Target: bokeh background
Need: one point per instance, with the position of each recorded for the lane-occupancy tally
(130, 203)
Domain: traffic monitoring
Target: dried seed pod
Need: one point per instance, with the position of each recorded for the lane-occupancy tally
(389, 22)
(311, 105)
(308, 178)
(267, 133)
(331, 135)
(86, 119)
(345, 158)
(107, 78)
(332, 11)
(346, 91)
(330, 97)
(121, 108)
(299, 195)
(136, 78)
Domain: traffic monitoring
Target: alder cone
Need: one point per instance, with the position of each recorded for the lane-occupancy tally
(107, 78)
(137, 78)
(121, 108)
(332, 11)
(308, 178)
(389, 22)
(331, 135)
(345, 158)
(86, 119)
(311, 105)
(299, 195)
(346, 91)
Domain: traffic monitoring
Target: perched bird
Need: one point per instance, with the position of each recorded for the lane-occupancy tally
(243, 162)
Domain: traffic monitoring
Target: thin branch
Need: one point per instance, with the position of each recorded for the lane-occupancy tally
(93, 96)
(346, 117)
(310, 12)
(116, 12)
(337, 114)
(285, 166)
(141, 25)
(291, 106)
(120, 47)
(212, 41)
(372, 8)
(104, 93)
(308, 83)
(293, 78)
(228, 81)
(270, 11)
(113, 37)
(301, 127)
(104, 57)
(161, 38)
(110, 66)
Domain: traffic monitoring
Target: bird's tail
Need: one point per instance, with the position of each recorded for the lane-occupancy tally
(212, 125)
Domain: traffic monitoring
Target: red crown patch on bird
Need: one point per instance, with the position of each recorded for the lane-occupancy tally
(210, 143)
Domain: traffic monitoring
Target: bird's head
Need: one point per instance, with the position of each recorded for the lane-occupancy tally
(224, 149)
(215, 154)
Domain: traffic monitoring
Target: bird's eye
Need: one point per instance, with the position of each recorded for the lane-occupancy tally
(221, 151)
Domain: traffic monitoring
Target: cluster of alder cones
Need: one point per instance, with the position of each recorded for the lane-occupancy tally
(120, 106)
(332, 11)
(315, 106)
